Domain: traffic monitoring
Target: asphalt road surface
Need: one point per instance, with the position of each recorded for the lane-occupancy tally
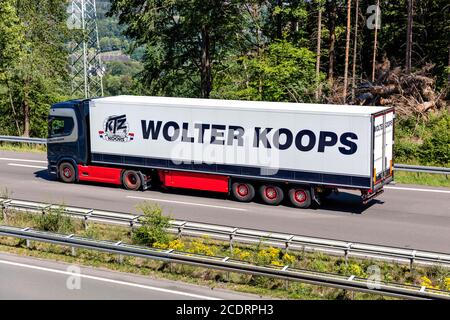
(23, 278)
(415, 217)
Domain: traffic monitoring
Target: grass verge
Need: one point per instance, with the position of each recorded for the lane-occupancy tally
(419, 178)
(23, 147)
(435, 277)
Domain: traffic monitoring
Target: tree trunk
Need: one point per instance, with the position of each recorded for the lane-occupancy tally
(375, 42)
(409, 35)
(206, 74)
(331, 39)
(347, 50)
(318, 52)
(26, 110)
(19, 133)
(449, 66)
(355, 50)
(279, 21)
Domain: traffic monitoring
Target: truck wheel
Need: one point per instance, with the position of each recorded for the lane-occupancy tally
(271, 194)
(67, 172)
(300, 198)
(242, 191)
(131, 180)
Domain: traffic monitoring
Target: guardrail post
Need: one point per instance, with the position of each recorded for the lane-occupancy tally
(232, 234)
(286, 282)
(27, 241)
(346, 252)
(5, 210)
(73, 251)
(170, 263)
(180, 230)
(288, 242)
(411, 260)
(86, 217)
(120, 257)
(227, 274)
(45, 208)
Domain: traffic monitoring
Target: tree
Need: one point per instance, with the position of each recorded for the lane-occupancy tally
(347, 49)
(375, 41)
(332, 38)
(409, 36)
(184, 40)
(11, 34)
(318, 52)
(355, 49)
(37, 75)
(11, 38)
(282, 72)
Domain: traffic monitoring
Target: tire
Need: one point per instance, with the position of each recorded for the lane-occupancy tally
(243, 191)
(131, 180)
(67, 172)
(270, 194)
(300, 197)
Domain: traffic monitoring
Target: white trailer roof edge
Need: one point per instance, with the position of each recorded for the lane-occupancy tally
(257, 106)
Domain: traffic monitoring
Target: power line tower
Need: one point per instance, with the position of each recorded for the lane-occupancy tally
(86, 67)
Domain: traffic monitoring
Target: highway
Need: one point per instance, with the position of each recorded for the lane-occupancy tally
(404, 216)
(24, 278)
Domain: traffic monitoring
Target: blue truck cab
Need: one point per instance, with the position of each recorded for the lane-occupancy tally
(68, 136)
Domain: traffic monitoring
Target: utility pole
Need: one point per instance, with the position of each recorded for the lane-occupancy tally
(86, 68)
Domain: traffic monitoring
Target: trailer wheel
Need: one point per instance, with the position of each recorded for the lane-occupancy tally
(300, 197)
(243, 191)
(271, 194)
(131, 180)
(67, 172)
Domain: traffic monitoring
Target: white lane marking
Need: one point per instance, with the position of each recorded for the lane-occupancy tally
(124, 283)
(25, 165)
(417, 189)
(188, 203)
(23, 160)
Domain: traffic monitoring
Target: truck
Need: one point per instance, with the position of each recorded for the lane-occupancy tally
(293, 152)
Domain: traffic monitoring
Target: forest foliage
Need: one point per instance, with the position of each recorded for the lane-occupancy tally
(292, 50)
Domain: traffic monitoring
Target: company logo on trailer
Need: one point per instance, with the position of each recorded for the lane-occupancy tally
(116, 128)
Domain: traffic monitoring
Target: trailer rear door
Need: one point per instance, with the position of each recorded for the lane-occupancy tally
(383, 126)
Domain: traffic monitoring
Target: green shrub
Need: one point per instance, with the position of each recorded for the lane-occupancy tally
(153, 226)
(54, 221)
(436, 147)
(425, 142)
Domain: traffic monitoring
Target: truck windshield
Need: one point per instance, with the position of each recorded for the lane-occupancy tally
(60, 126)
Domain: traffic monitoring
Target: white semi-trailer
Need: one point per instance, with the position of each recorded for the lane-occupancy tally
(274, 150)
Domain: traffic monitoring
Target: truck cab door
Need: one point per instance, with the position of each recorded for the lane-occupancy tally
(62, 139)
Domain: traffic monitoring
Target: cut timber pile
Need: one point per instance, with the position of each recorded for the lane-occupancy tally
(410, 94)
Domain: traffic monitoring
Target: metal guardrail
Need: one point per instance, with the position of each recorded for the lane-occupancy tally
(23, 139)
(246, 236)
(231, 265)
(398, 167)
(426, 169)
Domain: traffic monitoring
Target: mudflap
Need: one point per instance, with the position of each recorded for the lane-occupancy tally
(366, 197)
(315, 196)
(146, 181)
